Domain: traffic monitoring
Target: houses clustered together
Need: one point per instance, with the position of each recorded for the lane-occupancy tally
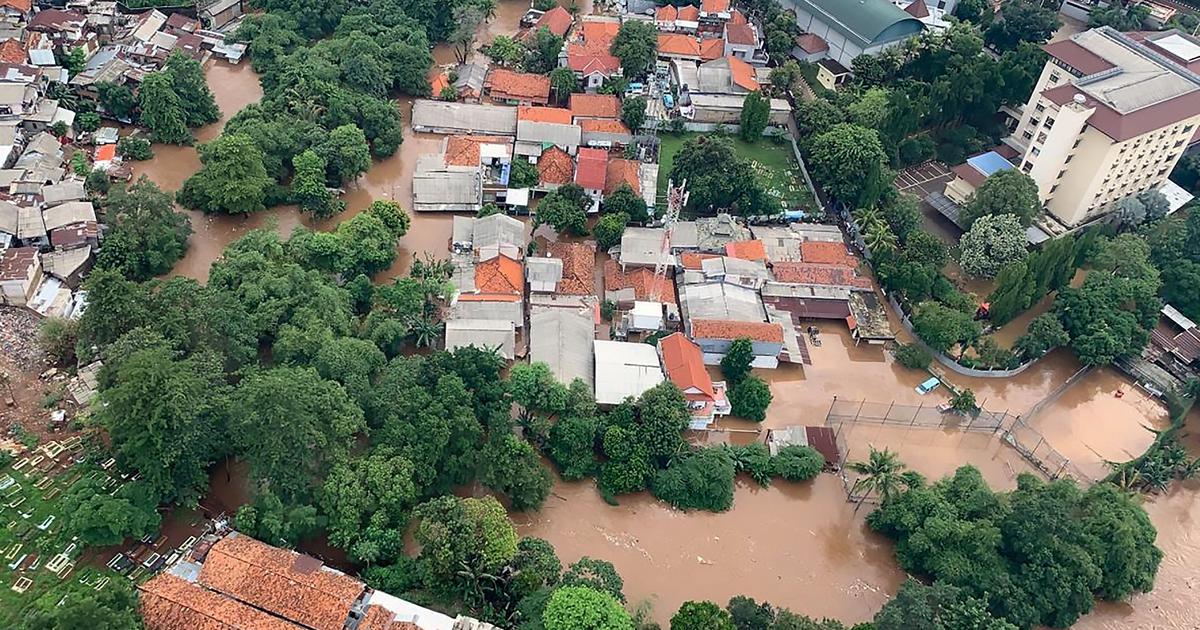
(709, 58)
(723, 281)
(49, 230)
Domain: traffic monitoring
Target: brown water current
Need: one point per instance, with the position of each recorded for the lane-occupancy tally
(797, 545)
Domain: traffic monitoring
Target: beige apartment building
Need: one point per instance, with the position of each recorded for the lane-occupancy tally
(1110, 116)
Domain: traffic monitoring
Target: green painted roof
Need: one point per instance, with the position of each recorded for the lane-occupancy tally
(863, 21)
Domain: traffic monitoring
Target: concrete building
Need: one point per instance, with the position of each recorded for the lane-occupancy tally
(684, 363)
(465, 118)
(482, 333)
(625, 370)
(1110, 117)
(20, 274)
(851, 29)
(562, 338)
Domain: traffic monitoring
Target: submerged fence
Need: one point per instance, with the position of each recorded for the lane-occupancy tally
(907, 415)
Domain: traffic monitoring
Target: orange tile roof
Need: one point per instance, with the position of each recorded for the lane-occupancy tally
(595, 106)
(714, 6)
(693, 260)
(520, 86)
(743, 74)
(380, 618)
(819, 274)
(285, 583)
(729, 329)
(603, 125)
(592, 168)
(746, 250)
(168, 602)
(737, 17)
(678, 45)
(740, 34)
(555, 167)
(24, 6)
(641, 279)
(439, 82)
(12, 51)
(591, 54)
(464, 150)
(500, 276)
(557, 20)
(105, 152)
(555, 115)
(827, 253)
(684, 363)
(579, 267)
(600, 32)
(711, 49)
(689, 13)
(666, 13)
(621, 171)
(811, 43)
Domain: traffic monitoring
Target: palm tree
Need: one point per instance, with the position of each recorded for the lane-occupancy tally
(879, 238)
(425, 332)
(883, 473)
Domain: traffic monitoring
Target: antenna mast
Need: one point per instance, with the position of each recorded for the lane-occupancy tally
(677, 198)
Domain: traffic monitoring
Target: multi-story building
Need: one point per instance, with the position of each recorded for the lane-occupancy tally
(1109, 117)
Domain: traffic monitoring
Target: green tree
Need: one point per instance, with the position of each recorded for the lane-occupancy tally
(609, 229)
(457, 534)
(992, 243)
(113, 608)
(535, 388)
(145, 236)
(268, 519)
(883, 474)
(232, 179)
(1006, 192)
(346, 154)
(1109, 316)
(58, 337)
(544, 50)
(636, 45)
(1044, 334)
(166, 418)
(537, 566)
(699, 481)
(101, 519)
(903, 216)
(134, 148)
(75, 60)
(1022, 21)
(701, 616)
(1180, 287)
(718, 178)
(279, 413)
(963, 401)
(572, 446)
(797, 463)
(756, 112)
(633, 112)
(849, 163)
(624, 200)
(162, 109)
(582, 608)
(913, 356)
(565, 210)
(785, 78)
(118, 100)
(750, 399)
(598, 575)
(563, 83)
(308, 186)
(735, 365)
(365, 497)
(87, 121)
(505, 51)
(524, 174)
(937, 607)
(942, 328)
(1015, 291)
(188, 82)
(512, 468)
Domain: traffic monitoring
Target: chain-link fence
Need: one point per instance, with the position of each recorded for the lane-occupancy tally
(1033, 446)
(907, 415)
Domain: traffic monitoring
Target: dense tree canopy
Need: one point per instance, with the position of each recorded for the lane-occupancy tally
(992, 243)
(636, 45)
(718, 178)
(145, 235)
(1005, 192)
(849, 163)
(232, 180)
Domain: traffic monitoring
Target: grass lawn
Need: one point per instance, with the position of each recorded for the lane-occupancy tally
(774, 163)
(21, 536)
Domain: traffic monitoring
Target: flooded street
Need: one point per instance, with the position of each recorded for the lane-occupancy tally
(795, 545)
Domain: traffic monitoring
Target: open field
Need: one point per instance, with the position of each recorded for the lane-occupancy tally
(775, 164)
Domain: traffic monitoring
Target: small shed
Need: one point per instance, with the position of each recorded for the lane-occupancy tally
(819, 438)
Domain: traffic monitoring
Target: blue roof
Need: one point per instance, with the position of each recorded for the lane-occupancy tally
(990, 162)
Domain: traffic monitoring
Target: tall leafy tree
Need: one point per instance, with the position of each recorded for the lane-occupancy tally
(367, 500)
(850, 163)
(582, 608)
(993, 242)
(1006, 192)
(187, 79)
(346, 154)
(145, 236)
(162, 109)
(117, 99)
(232, 179)
(636, 45)
(701, 616)
(756, 112)
(308, 186)
(544, 50)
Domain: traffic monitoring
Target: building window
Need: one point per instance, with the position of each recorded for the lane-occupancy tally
(1049, 123)
(1028, 135)
(1026, 167)
(1041, 138)
(1069, 158)
(1077, 141)
(1054, 77)
(1033, 122)
(1053, 188)
(1039, 107)
(1035, 151)
(1188, 129)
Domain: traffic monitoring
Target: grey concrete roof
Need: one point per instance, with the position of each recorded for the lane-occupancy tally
(721, 300)
(562, 339)
(642, 246)
(625, 370)
(501, 311)
(437, 187)
(464, 118)
(68, 190)
(482, 333)
(68, 213)
(1139, 80)
(564, 136)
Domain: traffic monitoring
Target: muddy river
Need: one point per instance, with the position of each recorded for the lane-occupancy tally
(796, 545)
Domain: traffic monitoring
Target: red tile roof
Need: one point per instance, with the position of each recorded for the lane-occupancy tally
(819, 274)
(743, 74)
(74, 234)
(714, 6)
(729, 329)
(828, 253)
(694, 260)
(579, 267)
(1120, 127)
(555, 167)
(666, 13)
(684, 363)
(105, 152)
(168, 602)
(555, 115)
(592, 168)
(15, 261)
(621, 171)
(641, 279)
(56, 20)
(12, 51)
(969, 174)
(439, 82)
(558, 20)
(689, 13)
(742, 34)
(711, 49)
(917, 9)
(737, 17)
(24, 6)
(464, 150)
(285, 583)
(518, 86)
(595, 106)
(603, 125)
(591, 54)
(678, 45)
(746, 250)
(500, 276)
(1078, 57)
(811, 43)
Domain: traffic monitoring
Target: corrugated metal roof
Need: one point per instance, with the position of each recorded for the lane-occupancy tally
(562, 339)
(625, 370)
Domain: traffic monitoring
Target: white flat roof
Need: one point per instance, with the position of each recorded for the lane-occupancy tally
(625, 370)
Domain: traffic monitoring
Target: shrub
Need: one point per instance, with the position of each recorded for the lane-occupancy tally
(134, 148)
(797, 463)
(754, 460)
(913, 356)
(700, 481)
